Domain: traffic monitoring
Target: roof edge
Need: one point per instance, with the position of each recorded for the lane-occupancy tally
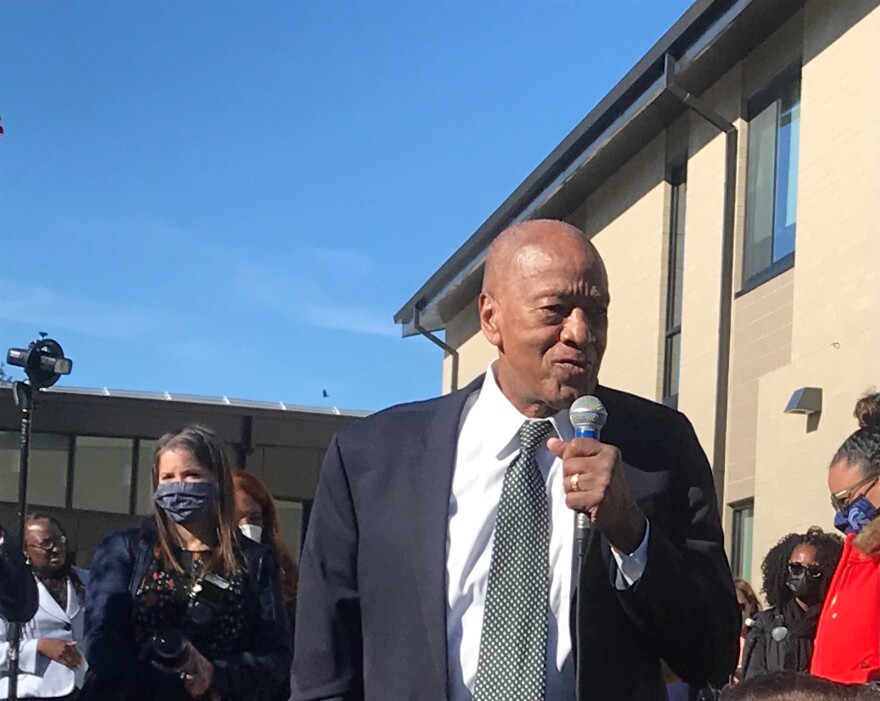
(689, 32)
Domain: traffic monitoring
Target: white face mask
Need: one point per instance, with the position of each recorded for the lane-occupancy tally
(251, 531)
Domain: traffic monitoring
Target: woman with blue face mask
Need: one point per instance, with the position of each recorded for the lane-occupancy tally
(186, 606)
(847, 647)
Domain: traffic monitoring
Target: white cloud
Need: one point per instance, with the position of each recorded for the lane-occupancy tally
(303, 301)
(310, 285)
(50, 310)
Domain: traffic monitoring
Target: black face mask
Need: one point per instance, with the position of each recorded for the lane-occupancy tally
(807, 589)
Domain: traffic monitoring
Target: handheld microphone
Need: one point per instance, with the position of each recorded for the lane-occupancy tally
(588, 416)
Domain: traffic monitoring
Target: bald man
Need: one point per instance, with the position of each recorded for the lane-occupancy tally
(440, 558)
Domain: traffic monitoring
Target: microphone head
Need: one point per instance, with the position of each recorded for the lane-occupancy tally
(779, 633)
(589, 413)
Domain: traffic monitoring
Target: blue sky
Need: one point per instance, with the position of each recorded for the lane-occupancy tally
(235, 197)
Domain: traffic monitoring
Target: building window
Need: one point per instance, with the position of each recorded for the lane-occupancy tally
(47, 469)
(772, 175)
(290, 514)
(672, 352)
(743, 528)
(102, 474)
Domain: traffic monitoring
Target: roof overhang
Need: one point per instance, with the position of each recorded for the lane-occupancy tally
(708, 40)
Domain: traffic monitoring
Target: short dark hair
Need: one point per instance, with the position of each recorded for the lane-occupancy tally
(793, 686)
(40, 516)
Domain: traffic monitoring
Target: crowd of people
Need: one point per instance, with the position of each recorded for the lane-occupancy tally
(197, 602)
(435, 565)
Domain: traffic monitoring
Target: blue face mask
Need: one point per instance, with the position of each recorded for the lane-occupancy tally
(854, 518)
(184, 502)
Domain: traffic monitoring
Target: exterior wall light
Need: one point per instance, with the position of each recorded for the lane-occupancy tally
(806, 400)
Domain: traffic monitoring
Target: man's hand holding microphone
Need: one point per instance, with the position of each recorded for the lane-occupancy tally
(594, 481)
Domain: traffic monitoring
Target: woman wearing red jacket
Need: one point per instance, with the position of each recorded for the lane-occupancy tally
(847, 646)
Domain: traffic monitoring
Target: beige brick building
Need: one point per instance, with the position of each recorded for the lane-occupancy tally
(731, 181)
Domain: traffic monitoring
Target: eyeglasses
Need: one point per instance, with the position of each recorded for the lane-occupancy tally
(796, 569)
(50, 546)
(840, 500)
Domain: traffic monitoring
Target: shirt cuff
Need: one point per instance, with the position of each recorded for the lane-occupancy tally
(631, 567)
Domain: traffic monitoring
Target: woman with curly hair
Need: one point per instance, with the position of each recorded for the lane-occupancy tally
(796, 573)
(848, 638)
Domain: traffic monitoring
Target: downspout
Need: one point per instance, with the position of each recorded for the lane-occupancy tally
(722, 386)
(453, 379)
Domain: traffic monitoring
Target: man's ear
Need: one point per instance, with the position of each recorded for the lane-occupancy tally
(489, 319)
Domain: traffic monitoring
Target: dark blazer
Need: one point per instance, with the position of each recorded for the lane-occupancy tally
(371, 612)
(18, 588)
(253, 672)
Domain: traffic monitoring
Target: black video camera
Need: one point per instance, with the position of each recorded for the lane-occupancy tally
(43, 361)
(166, 648)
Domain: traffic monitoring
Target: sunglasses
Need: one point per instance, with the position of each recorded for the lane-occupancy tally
(842, 499)
(796, 569)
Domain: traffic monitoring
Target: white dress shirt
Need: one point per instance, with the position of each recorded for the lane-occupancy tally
(487, 444)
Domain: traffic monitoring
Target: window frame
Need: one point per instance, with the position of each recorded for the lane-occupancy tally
(737, 559)
(771, 93)
(677, 179)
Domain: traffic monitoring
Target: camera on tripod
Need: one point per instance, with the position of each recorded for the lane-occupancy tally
(167, 647)
(43, 361)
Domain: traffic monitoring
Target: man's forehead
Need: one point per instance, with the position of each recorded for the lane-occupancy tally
(597, 290)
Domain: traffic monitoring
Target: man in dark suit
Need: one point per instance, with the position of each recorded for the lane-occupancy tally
(439, 555)
(18, 588)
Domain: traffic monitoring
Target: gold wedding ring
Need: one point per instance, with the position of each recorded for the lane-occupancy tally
(573, 481)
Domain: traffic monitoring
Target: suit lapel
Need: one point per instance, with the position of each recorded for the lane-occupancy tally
(49, 605)
(73, 603)
(431, 465)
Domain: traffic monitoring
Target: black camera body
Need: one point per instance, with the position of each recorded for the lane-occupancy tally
(167, 646)
(43, 362)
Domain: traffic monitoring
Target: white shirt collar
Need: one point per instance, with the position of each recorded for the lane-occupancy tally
(502, 420)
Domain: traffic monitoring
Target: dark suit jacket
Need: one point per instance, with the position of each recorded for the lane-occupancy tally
(371, 612)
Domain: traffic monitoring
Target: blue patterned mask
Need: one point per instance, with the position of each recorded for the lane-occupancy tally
(856, 515)
(184, 502)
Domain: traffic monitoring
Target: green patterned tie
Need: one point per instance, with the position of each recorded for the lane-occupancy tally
(513, 645)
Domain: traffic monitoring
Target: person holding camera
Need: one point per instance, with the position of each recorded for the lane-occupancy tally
(51, 660)
(186, 606)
